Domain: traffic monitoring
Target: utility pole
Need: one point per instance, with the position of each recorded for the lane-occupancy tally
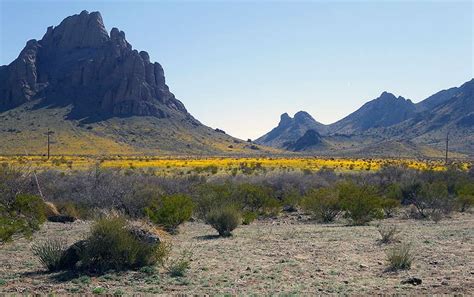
(49, 142)
(447, 146)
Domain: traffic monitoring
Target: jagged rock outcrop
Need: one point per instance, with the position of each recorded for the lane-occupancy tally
(79, 63)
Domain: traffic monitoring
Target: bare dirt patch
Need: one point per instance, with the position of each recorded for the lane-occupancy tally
(267, 257)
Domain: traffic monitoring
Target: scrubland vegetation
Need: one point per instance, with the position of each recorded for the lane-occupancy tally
(137, 218)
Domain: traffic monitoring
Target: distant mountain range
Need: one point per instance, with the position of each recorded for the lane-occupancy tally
(99, 96)
(387, 125)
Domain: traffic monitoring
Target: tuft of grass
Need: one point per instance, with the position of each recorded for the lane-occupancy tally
(388, 233)
(179, 267)
(50, 253)
(98, 290)
(400, 257)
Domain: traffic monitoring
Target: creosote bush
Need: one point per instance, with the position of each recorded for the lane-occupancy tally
(360, 203)
(170, 211)
(400, 257)
(324, 204)
(111, 246)
(224, 220)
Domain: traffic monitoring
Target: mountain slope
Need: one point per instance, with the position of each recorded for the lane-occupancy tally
(290, 130)
(394, 126)
(384, 111)
(99, 96)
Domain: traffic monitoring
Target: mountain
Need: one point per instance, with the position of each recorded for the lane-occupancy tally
(310, 140)
(384, 111)
(454, 116)
(392, 126)
(99, 96)
(289, 130)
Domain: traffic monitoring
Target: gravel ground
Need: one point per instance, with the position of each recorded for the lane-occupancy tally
(288, 255)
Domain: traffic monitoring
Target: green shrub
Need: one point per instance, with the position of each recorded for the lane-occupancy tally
(465, 197)
(212, 196)
(389, 206)
(179, 267)
(323, 204)
(170, 211)
(256, 198)
(400, 257)
(433, 200)
(224, 220)
(23, 216)
(111, 246)
(361, 203)
(248, 217)
(50, 253)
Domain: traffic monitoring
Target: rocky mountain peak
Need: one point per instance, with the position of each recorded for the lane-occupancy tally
(78, 31)
(303, 116)
(77, 63)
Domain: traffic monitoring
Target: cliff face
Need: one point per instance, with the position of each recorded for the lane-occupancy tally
(78, 63)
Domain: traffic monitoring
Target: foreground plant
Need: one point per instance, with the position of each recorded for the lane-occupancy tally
(170, 211)
(224, 220)
(400, 257)
(50, 253)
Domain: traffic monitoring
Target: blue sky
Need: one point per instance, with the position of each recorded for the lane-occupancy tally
(237, 65)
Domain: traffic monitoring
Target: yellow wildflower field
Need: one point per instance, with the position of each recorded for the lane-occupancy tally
(214, 165)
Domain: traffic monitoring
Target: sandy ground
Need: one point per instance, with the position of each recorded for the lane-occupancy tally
(283, 256)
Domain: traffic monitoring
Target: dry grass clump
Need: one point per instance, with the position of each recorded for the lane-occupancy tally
(388, 233)
(400, 257)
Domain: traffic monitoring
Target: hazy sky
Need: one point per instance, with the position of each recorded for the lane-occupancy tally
(239, 65)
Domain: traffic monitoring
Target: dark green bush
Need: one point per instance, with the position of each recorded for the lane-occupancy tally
(389, 206)
(360, 203)
(170, 211)
(224, 220)
(323, 204)
(212, 196)
(111, 246)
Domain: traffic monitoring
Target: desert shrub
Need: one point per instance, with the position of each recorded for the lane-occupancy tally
(111, 246)
(170, 211)
(323, 204)
(360, 203)
(212, 196)
(248, 217)
(256, 198)
(224, 220)
(23, 216)
(388, 233)
(389, 206)
(465, 197)
(400, 257)
(432, 200)
(50, 253)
